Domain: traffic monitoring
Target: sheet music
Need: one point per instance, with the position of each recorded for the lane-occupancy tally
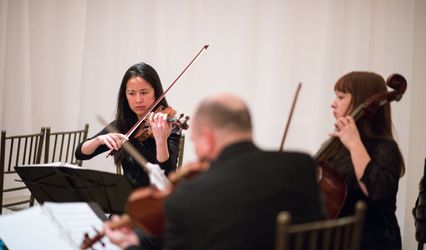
(51, 226)
(52, 164)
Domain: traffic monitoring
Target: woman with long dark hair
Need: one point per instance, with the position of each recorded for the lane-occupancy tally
(139, 89)
(368, 157)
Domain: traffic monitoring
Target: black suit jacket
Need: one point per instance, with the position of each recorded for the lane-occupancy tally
(235, 203)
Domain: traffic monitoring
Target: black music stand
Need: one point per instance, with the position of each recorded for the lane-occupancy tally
(67, 184)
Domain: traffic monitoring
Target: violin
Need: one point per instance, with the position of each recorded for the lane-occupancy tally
(146, 205)
(145, 208)
(179, 122)
(143, 120)
(331, 182)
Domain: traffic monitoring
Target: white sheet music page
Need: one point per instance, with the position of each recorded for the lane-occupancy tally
(52, 164)
(51, 226)
(30, 229)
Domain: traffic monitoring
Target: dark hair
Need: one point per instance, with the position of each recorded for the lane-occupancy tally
(223, 117)
(363, 85)
(125, 117)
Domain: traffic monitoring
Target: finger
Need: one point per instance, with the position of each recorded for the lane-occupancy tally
(350, 120)
(343, 120)
(338, 125)
(104, 140)
(161, 123)
(117, 139)
(112, 142)
(115, 217)
(172, 175)
(154, 124)
(334, 134)
(157, 116)
(107, 228)
(122, 137)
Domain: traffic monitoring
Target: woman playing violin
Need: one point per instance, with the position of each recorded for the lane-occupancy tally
(139, 89)
(368, 157)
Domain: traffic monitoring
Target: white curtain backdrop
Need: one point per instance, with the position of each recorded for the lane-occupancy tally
(61, 63)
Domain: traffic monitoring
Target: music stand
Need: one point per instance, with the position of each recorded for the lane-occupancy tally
(56, 183)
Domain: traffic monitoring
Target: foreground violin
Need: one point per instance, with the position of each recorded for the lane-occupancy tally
(145, 208)
(332, 183)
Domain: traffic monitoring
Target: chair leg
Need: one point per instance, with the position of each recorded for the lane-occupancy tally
(118, 168)
(31, 200)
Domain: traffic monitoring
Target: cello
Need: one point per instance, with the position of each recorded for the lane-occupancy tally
(332, 183)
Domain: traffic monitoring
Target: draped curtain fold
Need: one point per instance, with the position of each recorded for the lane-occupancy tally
(61, 62)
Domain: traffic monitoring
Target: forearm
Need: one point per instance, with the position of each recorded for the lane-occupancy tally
(360, 159)
(90, 146)
(162, 151)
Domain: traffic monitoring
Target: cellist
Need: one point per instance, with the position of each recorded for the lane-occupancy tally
(368, 157)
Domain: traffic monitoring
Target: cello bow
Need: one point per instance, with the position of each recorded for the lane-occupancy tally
(299, 86)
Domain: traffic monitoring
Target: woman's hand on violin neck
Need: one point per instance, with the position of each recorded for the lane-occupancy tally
(112, 140)
(161, 128)
(347, 132)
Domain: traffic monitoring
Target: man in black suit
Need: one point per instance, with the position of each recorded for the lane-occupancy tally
(234, 204)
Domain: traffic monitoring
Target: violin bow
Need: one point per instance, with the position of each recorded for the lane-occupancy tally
(299, 86)
(151, 108)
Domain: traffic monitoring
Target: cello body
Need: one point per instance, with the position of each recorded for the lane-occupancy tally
(334, 189)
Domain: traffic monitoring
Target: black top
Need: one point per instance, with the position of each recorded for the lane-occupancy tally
(235, 203)
(381, 176)
(132, 170)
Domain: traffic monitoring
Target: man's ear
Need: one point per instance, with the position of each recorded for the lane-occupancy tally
(209, 140)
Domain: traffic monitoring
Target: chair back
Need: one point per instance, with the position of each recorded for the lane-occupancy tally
(60, 146)
(17, 150)
(333, 234)
(181, 150)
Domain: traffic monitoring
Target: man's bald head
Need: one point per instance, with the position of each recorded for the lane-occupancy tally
(224, 112)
